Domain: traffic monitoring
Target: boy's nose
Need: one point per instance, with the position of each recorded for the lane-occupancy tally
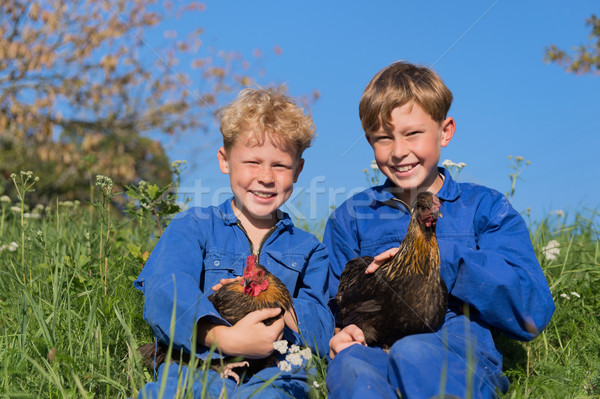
(266, 175)
(400, 149)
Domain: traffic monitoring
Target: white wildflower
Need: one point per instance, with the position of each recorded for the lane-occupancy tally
(294, 359)
(285, 366)
(294, 349)
(316, 384)
(551, 250)
(39, 233)
(15, 208)
(374, 165)
(67, 204)
(12, 247)
(281, 346)
(448, 163)
(5, 198)
(87, 235)
(575, 294)
(105, 182)
(461, 165)
(28, 215)
(563, 295)
(306, 353)
(558, 212)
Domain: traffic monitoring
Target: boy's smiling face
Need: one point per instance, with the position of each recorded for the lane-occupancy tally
(408, 152)
(262, 177)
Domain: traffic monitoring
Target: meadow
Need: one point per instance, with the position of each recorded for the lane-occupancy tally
(71, 320)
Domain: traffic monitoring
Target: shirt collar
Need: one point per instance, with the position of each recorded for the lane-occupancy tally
(450, 190)
(384, 194)
(229, 218)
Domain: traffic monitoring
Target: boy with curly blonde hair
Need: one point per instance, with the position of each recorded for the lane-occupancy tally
(264, 136)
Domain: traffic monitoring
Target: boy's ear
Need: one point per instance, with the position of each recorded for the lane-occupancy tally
(222, 157)
(298, 169)
(448, 129)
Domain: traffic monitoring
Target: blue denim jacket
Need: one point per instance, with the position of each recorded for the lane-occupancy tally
(204, 245)
(487, 258)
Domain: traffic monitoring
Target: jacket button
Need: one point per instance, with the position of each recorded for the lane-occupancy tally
(217, 263)
(294, 264)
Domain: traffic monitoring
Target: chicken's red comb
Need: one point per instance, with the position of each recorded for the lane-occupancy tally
(251, 261)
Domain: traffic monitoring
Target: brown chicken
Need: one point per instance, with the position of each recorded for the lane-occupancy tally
(406, 295)
(257, 289)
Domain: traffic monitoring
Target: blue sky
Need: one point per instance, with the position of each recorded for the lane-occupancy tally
(507, 101)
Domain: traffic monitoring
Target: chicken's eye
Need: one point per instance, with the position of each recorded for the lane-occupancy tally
(260, 274)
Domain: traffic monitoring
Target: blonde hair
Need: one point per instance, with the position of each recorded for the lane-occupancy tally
(398, 84)
(268, 111)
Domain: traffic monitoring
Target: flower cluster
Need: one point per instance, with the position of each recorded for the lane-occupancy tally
(567, 297)
(12, 247)
(25, 176)
(449, 164)
(551, 250)
(453, 167)
(293, 357)
(178, 164)
(105, 183)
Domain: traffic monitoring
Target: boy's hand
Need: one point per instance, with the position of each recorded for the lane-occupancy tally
(224, 281)
(381, 259)
(249, 337)
(348, 336)
(290, 319)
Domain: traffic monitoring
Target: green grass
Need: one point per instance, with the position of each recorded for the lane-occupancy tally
(70, 319)
(563, 361)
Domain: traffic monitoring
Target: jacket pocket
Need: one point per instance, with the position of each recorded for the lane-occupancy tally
(219, 265)
(287, 267)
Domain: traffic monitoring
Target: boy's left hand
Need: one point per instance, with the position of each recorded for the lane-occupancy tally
(224, 281)
(381, 259)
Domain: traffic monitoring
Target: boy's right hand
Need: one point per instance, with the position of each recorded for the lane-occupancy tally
(381, 259)
(249, 337)
(346, 337)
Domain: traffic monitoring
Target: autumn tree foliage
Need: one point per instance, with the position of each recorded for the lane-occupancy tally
(583, 59)
(81, 85)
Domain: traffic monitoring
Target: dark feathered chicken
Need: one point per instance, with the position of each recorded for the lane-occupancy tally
(257, 289)
(406, 295)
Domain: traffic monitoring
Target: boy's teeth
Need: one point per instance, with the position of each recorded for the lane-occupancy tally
(262, 195)
(404, 168)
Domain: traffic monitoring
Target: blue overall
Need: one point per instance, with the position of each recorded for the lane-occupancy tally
(204, 245)
(487, 262)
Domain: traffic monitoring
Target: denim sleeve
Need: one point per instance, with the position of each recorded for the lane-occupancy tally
(170, 282)
(501, 278)
(315, 320)
(342, 245)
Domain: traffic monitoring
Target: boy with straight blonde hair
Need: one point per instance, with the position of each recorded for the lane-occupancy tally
(264, 136)
(495, 283)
